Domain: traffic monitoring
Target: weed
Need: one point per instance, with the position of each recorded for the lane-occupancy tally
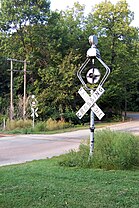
(55, 125)
(113, 150)
(18, 124)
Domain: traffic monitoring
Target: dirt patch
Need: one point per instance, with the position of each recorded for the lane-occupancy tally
(4, 135)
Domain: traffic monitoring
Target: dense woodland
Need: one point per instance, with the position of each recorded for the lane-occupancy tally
(54, 44)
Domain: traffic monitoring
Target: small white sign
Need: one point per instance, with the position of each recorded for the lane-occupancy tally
(93, 76)
(36, 114)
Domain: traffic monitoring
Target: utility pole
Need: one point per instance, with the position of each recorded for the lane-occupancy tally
(24, 98)
(11, 94)
(0, 4)
(11, 90)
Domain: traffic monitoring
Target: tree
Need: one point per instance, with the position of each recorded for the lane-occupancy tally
(118, 45)
(55, 44)
(23, 36)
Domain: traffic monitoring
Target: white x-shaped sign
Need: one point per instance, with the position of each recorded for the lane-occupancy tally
(34, 112)
(90, 102)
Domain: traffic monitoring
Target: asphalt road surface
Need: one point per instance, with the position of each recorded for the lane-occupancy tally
(22, 148)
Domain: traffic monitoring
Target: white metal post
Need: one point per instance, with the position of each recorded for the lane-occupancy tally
(33, 117)
(92, 128)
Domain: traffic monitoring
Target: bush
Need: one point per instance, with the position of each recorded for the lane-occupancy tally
(18, 124)
(70, 116)
(116, 150)
(25, 126)
(113, 150)
(76, 158)
(55, 125)
(40, 127)
(51, 125)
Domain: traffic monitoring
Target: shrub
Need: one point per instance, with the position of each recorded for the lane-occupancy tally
(116, 150)
(18, 124)
(40, 126)
(55, 125)
(113, 150)
(76, 158)
(50, 125)
(25, 126)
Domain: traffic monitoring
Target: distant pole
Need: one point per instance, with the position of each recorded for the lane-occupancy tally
(24, 98)
(33, 117)
(0, 4)
(4, 124)
(11, 94)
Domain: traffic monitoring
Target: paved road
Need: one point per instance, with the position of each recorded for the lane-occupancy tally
(132, 127)
(133, 115)
(22, 148)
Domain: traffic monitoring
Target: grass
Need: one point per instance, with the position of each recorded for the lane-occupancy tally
(74, 128)
(44, 184)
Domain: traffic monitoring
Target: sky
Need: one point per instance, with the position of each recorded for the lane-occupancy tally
(62, 5)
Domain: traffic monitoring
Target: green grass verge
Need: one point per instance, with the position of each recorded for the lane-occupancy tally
(43, 184)
(74, 128)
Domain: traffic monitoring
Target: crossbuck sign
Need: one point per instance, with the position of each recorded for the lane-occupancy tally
(90, 102)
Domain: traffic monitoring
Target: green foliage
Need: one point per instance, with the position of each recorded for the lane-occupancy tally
(40, 126)
(76, 158)
(116, 150)
(113, 150)
(55, 45)
(116, 40)
(20, 13)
